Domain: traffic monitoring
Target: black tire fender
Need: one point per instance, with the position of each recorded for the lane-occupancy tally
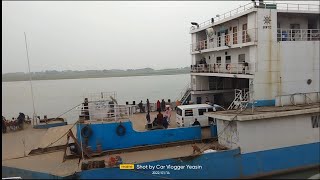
(86, 131)
(121, 130)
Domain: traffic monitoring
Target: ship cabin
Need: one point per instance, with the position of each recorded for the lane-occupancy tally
(257, 52)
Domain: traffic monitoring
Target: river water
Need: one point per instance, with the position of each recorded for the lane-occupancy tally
(54, 97)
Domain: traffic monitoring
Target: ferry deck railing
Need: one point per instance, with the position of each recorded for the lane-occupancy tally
(298, 34)
(239, 37)
(228, 68)
(186, 88)
(101, 96)
(103, 111)
(298, 98)
(265, 5)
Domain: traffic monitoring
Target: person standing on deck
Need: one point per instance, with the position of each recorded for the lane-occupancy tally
(148, 117)
(167, 114)
(21, 119)
(178, 103)
(85, 111)
(148, 105)
(163, 105)
(158, 106)
(140, 106)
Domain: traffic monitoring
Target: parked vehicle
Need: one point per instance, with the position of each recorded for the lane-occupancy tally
(186, 114)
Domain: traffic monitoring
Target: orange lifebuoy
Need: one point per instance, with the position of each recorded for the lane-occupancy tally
(228, 67)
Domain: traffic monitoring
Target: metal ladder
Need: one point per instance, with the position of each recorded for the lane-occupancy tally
(241, 99)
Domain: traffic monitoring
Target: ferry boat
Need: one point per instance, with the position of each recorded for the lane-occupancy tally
(261, 61)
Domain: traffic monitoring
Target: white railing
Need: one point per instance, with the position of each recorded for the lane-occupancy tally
(226, 15)
(227, 40)
(298, 7)
(265, 5)
(229, 68)
(101, 96)
(298, 98)
(104, 111)
(298, 34)
(183, 91)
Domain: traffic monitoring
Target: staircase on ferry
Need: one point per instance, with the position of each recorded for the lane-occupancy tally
(185, 94)
(241, 99)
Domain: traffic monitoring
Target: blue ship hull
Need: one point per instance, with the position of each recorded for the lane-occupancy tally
(216, 165)
(224, 165)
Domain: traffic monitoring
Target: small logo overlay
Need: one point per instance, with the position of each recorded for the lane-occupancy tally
(267, 20)
(126, 166)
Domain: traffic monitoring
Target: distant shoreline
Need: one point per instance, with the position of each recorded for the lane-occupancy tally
(12, 77)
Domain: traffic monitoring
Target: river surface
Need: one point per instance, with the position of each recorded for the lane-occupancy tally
(54, 97)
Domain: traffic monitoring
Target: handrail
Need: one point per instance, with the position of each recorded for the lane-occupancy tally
(239, 37)
(298, 34)
(105, 111)
(230, 68)
(184, 90)
(279, 6)
(306, 97)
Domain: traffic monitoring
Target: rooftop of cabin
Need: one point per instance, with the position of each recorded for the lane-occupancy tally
(265, 112)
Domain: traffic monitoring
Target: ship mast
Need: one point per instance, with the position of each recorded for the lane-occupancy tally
(30, 80)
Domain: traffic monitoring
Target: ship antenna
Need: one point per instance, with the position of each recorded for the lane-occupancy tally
(30, 79)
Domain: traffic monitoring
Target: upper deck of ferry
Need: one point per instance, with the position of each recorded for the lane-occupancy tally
(253, 6)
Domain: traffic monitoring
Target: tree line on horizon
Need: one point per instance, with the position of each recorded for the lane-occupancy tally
(70, 74)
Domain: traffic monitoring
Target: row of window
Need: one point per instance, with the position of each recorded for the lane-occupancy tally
(189, 112)
(241, 59)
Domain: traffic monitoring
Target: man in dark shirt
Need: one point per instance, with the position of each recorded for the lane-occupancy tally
(163, 105)
(196, 122)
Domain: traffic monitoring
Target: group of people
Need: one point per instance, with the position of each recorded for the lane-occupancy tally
(160, 106)
(160, 119)
(20, 121)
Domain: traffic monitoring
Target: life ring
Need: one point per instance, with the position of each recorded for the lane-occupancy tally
(121, 130)
(228, 67)
(86, 131)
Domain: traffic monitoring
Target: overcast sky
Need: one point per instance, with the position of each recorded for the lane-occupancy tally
(83, 35)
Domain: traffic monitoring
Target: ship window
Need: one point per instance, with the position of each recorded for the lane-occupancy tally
(219, 60)
(315, 121)
(188, 112)
(228, 59)
(201, 111)
(179, 111)
(242, 58)
(209, 57)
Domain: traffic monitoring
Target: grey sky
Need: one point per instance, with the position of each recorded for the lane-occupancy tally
(83, 35)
